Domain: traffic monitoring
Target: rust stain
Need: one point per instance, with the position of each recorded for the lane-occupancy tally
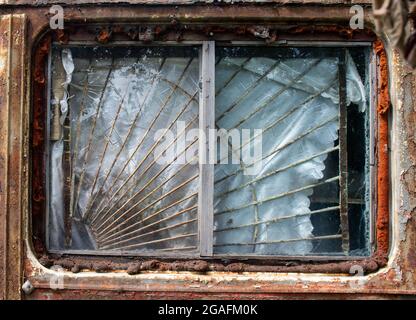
(135, 265)
(41, 53)
(38, 140)
(161, 32)
(312, 13)
(344, 32)
(62, 36)
(88, 294)
(411, 255)
(383, 88)
(383, 105)
(104, 35)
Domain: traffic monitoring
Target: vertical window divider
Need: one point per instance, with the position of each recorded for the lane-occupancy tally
(343, 154)
(206, 169)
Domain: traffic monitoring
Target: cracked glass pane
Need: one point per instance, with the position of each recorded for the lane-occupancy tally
(111, 188)
(285, 197)
(292, 128)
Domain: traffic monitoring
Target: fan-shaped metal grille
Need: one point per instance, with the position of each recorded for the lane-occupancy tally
(124, 196)
(299, 102)
(115, 186)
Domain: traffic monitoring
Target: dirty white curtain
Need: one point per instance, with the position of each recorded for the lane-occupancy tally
(122, 196)
(295, 102)
(123, 199)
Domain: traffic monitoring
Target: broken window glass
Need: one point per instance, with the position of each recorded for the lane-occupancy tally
(294, 178)
(109, 188)
(308, 190)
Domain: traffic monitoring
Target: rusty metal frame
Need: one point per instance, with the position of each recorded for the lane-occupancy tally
(206, 232)
(223, 279)
(343, 155)
(250, 261)
(250, 264)
(13, 158)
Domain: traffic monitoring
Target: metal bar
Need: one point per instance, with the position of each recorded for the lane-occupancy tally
(274, 172)
(280, 219)
(177, 214)
(126, 139)
(145, 158)
(252, 189)
(287, 114)
(337, 236)
(101, 232)
(186, 93)
(343, 155)
(99, 218)
(61, 133)
(141, 190)
(275, 150)
(177, 225)
(254, 72)
(97, 111)
(324, 256)
(372, 132)
(253, 194)
(101, 207)
(92, 87)
(336, 200)
(76, 142)
(219, 43)
(115, 234)
(47, 150)
(177, 249)
(206, 123)
(239, 69)
(159, 241)
(118, 236)
(249, 90)
(123, 43)
(66, 168)
(277, 94)
(144, 137)
(281, 195)
(105, 149)
(114, 203)
(241, 161)
(299, 43)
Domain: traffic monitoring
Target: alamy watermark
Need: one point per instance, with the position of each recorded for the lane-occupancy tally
(216, 146)
(56, 21)
(357, 20)
(56, 280)
(357, 271)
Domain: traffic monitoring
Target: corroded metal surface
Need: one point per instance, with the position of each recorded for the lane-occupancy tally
(175, 2)
(12, 160)
(397, 277)
(122, 32)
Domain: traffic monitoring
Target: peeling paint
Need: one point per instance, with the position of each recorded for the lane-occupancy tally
(167, 279)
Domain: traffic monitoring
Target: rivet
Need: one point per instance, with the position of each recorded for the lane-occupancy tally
(27, 287)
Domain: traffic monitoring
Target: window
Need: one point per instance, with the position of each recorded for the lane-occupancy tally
(285, 135)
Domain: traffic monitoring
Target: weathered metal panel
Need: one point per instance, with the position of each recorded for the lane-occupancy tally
(12, 103)
(396, 278)
(174, 2)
